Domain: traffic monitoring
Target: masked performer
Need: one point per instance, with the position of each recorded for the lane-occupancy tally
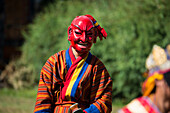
(156, 88)
(74, 80)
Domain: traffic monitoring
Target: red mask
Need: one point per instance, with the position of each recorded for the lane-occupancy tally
(81, 34)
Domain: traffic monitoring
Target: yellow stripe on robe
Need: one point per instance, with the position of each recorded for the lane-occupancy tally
(44, 107)
(74, 78)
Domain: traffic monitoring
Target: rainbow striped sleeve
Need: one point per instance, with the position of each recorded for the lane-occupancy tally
(101, 90)
(43, 101)
(48, 79)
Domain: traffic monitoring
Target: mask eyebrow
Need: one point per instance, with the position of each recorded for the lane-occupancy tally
(81, 29)
(78, 27)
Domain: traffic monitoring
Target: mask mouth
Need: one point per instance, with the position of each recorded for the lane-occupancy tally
(82, 44)
(167, 77)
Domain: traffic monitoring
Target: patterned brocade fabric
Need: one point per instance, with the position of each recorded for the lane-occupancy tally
(140, 105)
(65, 79)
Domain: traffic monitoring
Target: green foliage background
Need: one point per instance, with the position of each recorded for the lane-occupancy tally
(133, 27)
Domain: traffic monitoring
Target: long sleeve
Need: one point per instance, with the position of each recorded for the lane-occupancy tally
(101, 90)
(49, 84)
(44, 100)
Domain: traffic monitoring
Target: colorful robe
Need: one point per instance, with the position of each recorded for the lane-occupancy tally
(84, 80)
(140, 105)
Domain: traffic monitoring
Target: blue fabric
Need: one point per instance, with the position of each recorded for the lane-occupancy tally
(92, 109)
(68, 59)
(73, 92)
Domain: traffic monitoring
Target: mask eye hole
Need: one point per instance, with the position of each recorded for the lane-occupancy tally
(78, 33)
(90, 32)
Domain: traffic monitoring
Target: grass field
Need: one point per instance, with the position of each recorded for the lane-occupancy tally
(13, 101)
(23, 101)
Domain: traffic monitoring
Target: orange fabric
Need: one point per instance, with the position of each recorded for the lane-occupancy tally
(149, 83)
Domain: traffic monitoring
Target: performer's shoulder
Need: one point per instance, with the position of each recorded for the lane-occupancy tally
(97, 60)
(58, 54)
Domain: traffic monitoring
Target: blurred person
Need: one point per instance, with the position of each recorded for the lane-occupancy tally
(74, 80)
(156, 88)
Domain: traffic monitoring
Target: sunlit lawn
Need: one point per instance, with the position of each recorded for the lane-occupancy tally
(22, 101)
(13, 101)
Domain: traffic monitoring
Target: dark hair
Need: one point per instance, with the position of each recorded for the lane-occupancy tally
(167, 77)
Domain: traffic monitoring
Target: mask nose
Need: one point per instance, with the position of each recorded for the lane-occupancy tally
(83, 38)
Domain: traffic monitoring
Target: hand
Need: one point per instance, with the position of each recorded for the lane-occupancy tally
(74, 109)
(78, 110)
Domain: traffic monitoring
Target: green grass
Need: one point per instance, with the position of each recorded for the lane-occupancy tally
(17, 101)
(23, 101)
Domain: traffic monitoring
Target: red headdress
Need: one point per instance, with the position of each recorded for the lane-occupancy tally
(100, 31)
